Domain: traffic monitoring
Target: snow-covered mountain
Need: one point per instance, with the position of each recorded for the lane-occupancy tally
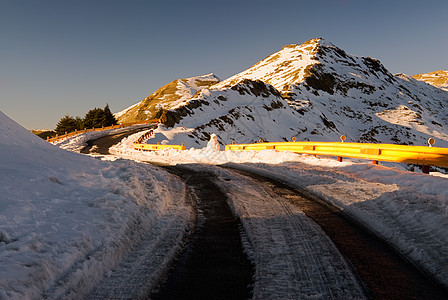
(166, 97)
(313, 91)
(438, 78)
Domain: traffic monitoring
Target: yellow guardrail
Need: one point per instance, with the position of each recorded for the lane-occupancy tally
(63, 136)
(140, 145)
(154, 147)
(420, 155)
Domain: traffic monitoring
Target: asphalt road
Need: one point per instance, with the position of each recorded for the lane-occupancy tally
(213, 265)
(102, 145)
(385, 273)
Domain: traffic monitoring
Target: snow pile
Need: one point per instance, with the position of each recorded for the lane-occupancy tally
(213, 144)
(207, 155)
(66, 218)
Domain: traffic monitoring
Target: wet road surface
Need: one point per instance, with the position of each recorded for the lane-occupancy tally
(213, 266)
(386, 274)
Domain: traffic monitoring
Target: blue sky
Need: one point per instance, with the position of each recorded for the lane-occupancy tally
(62, 57)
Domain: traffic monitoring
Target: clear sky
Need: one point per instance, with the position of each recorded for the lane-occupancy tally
(62, 57)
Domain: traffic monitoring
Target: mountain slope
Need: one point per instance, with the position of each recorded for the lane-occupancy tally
(244, 112)
(166, 97)
(438, 78)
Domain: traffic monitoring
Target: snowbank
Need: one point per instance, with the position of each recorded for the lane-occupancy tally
(66, 218)
(207, 155)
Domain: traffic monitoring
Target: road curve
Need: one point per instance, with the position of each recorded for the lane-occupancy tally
(102, 144)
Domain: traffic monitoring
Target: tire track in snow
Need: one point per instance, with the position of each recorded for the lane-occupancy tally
(386, 273)
(294, 259)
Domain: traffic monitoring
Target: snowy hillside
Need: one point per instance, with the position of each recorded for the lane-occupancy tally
(438, 78)
(244, 112)
(166, 97)
(314, 91)
(63, 214)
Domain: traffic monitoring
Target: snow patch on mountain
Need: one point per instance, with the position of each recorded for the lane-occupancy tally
(281, 68)
(437, 78)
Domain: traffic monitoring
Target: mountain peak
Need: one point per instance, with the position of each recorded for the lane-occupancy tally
(285, 67)
(315, 59)
(319, 42)
(316, 43)
(332, 88)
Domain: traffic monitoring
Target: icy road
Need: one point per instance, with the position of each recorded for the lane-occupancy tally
(278, 242)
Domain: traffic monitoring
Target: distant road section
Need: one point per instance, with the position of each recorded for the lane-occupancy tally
(102, 145)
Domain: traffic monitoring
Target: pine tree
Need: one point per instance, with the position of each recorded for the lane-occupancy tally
(98, 117)
(79, 123)
(67, 124)
(108, 117)
(93, 118)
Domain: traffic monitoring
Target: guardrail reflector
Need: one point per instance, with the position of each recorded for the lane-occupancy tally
(309, 147)
(370, 151)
